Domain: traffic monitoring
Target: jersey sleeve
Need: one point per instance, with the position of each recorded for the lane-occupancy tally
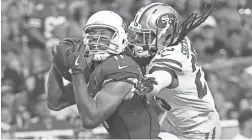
(121, 68)
(170, 58)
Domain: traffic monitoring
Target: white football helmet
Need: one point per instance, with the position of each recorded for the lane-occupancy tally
(111, 21)
(151, 23)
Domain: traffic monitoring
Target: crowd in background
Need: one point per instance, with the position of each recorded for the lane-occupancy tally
(31, 27)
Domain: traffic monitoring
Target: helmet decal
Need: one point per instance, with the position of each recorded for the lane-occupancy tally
(165, 19)
(143, 10)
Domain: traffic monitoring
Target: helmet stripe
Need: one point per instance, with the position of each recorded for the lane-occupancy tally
(146, 8)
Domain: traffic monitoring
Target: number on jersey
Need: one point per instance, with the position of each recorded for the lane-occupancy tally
(200, 84)
(184, 48)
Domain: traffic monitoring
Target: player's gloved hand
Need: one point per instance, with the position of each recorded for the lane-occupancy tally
(77, 60)
(60, 60)
(145, 85)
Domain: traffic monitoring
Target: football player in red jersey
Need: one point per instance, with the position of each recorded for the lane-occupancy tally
(106, 98)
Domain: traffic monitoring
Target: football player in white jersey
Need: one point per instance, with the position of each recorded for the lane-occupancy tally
(180, 87)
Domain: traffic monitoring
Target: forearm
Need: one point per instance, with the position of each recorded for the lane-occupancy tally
(87, 106)
(96, 110)
(53, 85)
(58, 94)
(163, 80)
(155, 90)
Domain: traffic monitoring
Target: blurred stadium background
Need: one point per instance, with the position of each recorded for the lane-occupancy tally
(29, 29)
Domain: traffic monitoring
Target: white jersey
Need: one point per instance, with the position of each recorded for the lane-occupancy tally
(190, 100)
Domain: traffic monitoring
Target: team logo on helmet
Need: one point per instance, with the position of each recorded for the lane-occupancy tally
(165, 19)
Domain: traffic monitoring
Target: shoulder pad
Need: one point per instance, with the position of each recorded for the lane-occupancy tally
(169, 57)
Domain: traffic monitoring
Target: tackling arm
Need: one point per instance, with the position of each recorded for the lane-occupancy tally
(59, 96)
(94, 111)
(163, 79)
(164, 66)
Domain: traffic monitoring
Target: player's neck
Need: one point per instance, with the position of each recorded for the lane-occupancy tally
(246, 133)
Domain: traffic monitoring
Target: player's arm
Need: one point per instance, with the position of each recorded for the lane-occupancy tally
(94, 111)
(59, 95)
(163, 68)
(163, 77)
